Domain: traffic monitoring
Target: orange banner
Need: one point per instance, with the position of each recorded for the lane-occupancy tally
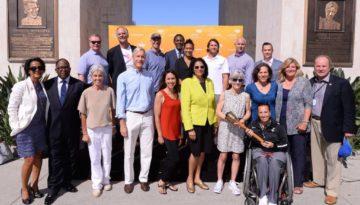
(140, 36)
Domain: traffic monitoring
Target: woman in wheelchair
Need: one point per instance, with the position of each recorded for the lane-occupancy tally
(269, 155)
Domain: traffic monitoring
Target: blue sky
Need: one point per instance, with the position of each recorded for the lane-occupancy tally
(176, 12)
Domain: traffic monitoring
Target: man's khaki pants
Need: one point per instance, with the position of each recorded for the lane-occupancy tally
(325, 163)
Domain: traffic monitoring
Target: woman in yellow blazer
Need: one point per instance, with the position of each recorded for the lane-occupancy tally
(199, 119)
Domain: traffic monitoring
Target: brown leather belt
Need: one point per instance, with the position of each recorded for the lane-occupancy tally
(316, 117)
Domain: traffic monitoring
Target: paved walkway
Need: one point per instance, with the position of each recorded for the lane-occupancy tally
(10, 191)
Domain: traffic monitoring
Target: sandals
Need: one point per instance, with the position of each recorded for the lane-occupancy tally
(190, 187)
(202, 185)
(298, 190)
(162, 188)
(171, 187)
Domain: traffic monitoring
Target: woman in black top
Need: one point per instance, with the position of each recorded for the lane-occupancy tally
(182, 64)
(269, 155)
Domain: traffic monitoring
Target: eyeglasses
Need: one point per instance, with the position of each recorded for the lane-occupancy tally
(34, 68)
(62, 67)
(95, 42)
(198, 67)
(238, 80)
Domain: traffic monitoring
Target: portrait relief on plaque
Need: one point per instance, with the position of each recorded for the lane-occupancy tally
(330, 16)
(32, 13)
(32, 29)
(330, 31)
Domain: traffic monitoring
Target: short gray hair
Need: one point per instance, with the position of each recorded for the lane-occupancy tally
(96, 67)
(236, 74)
(138, 49)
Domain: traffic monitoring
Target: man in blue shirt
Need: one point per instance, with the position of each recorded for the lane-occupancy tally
(155, 60)
(135, 97)
(241, 61)
(92, 57)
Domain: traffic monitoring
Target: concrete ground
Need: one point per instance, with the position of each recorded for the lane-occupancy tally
(10, 191)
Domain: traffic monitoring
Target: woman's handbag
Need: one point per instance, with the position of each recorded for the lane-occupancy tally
(5, 153)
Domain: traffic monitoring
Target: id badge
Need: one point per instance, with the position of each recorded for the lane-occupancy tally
(314, 102)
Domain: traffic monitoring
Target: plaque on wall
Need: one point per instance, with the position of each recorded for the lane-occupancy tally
(32, 30)
(330, 31)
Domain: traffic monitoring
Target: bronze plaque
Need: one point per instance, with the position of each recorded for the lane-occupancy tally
(330, 31)
(32, 30)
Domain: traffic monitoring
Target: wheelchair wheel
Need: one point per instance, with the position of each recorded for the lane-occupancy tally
(284, 202)
(290, 180)
(247, 172)
(249, 201)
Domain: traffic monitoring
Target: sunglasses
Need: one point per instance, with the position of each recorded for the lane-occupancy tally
(198, 67)
(95, 42)
(34, 68)
(238, 80)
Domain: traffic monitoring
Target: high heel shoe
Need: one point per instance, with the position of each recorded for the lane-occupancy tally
(190, 187)
(25, 201)
(36, 193)
(202, 185)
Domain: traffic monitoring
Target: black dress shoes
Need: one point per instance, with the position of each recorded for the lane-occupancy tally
(49, 199)
(70, 188)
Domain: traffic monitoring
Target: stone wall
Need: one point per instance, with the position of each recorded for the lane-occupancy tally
(76, 21)
(283, 23)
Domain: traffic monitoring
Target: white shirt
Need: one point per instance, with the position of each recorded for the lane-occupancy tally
(178, 54)
(127, 54)
(217, 66)
(268, 62)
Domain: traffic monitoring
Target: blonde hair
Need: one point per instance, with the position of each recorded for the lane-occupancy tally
(124, 28)
(286, 64)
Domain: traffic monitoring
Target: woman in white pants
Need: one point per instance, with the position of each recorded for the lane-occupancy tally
(97, 111)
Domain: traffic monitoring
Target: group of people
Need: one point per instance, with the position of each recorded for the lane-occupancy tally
(138, 94)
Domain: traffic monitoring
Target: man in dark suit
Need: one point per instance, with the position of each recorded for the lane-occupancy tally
(119, 56)
(64, 93)
(267, 51)
(333, 118)
(178, 52)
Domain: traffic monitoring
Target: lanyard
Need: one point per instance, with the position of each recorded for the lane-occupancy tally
(317, 90)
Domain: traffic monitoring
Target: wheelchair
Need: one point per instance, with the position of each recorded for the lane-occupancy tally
(250, 184)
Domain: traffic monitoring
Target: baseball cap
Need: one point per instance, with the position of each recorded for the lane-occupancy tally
(155, 36)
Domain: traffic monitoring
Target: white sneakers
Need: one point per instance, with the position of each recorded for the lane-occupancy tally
(271, 203)
(96, 192)
(232, 186)
(219, 186)
(107, 187)
(263, 200)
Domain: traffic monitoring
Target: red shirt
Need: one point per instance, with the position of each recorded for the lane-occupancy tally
(170, 117)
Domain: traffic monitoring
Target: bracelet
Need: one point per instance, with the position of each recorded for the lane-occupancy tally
(305, 121)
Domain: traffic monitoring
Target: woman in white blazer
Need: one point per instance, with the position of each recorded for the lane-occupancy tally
(27, 109)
